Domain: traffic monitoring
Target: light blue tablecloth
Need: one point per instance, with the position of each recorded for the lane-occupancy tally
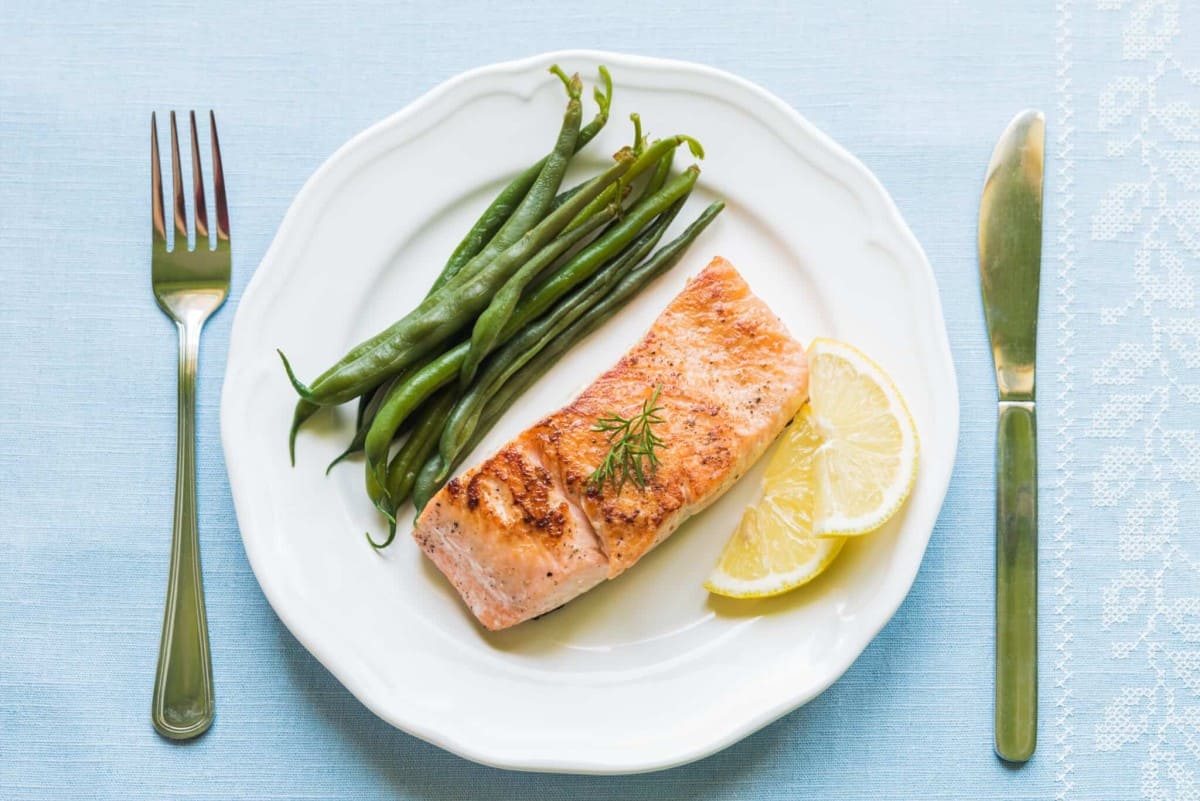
(919, 91)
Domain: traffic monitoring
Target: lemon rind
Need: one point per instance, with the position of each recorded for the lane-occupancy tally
(721, 583)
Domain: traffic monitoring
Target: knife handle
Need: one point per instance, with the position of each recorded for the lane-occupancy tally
(1016, 581)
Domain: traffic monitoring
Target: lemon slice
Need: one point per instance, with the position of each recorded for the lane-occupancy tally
(773, 549)
(866, 464)
(845, 465)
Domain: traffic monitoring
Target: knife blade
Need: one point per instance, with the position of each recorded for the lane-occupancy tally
(1010, 253)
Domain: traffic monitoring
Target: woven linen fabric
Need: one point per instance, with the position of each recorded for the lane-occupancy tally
(1125, 520)
(919, 92)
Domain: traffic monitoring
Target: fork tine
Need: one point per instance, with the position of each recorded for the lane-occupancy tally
(157, 218)
(181, 232)
(218, 183)
(198, 188)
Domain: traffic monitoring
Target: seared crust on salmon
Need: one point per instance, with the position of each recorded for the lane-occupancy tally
(524, 532)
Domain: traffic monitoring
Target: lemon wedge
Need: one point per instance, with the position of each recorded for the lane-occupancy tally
(773, 549)
(866, 465)
(844, 466)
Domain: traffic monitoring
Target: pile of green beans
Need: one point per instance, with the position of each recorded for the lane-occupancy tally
(538, 271)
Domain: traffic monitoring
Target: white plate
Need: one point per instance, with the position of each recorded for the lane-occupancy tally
(647, 671)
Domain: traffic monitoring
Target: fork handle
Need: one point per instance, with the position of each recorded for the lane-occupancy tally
(183, 704)
(1016, 581)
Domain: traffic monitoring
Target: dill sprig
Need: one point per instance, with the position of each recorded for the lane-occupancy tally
(633, 445)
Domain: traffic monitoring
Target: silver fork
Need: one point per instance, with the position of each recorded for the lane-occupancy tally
(189, 286)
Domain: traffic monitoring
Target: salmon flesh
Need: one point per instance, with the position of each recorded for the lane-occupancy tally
(525, 531)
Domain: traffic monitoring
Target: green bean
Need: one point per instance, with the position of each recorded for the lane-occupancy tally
(491, 221)
(534, 337)
(490, 323)
(427, 484)
(639, 141)
(305, 409)
(627, 288)
(631, 195)
(494, 217)
(567, 194)
(364, 400)
(378, 495)
(368, 407)
(661, 172)
(391, 350)
(377, 397)
(402, 400)
(300, 413)
(647, 158)
(402, 472)
(603, 98)
(547, 292)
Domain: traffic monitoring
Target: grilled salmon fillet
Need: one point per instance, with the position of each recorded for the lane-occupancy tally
(523, 532)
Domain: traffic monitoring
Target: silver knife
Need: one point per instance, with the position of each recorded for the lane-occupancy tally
(1010, 255)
